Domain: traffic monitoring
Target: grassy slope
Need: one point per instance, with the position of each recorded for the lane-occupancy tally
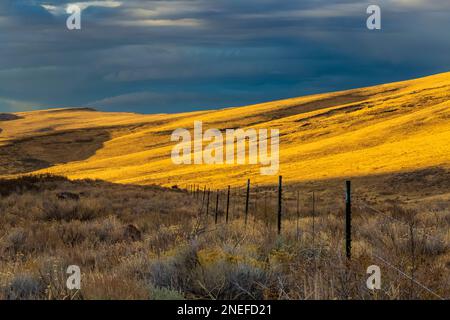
(389, 128)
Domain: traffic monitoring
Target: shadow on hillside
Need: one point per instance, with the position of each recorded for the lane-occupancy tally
(430, 185)
(9, 117)
(399, 186)
(43, 151)
(49, 182)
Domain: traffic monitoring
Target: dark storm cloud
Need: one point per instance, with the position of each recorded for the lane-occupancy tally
(167, 56)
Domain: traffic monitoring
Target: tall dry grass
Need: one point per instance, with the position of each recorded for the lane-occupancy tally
(181, 254)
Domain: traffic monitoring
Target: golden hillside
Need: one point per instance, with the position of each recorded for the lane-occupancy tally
(403, 126)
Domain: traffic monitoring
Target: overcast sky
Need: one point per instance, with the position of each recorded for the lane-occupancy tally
(171, 56)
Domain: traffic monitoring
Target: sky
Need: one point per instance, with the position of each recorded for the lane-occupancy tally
(174, 56)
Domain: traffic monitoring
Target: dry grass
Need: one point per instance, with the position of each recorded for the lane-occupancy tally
(181, 254)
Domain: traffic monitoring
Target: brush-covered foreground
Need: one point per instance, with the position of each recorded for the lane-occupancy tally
(155, 243)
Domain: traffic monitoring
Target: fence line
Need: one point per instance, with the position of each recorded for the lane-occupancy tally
(348, 203)
(385, 261)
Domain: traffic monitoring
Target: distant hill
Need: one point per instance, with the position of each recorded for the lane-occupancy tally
(391, 128)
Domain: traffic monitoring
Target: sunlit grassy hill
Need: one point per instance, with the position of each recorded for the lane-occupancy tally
(384, 129)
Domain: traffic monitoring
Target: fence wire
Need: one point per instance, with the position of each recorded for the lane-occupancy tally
(265, 195)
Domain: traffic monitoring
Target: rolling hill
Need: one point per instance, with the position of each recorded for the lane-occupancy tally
(380, 130)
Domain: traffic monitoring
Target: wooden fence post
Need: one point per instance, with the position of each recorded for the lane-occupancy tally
(348, 220)
(280, 197)
(217, 207)
(228, 204)
(246, 201)
(207, 203)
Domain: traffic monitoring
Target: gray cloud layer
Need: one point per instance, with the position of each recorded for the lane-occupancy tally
(167, 56)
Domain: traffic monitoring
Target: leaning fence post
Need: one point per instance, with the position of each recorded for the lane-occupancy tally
(348, 220)
(246, 201)
(217, 207)
(280, 197)
(228, 204)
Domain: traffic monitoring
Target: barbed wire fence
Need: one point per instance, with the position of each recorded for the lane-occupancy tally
(238, 203)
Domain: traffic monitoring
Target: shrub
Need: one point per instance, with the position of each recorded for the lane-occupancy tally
(68, 210)
(177, 272)
(24, 287)
(226, 280)
(16, 240)
(217, 278)
(432, 246)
